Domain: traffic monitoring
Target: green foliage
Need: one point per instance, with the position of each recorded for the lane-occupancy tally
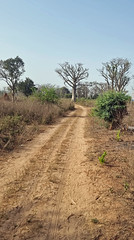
(118, 135)
(13, 68)
(63, 92)
(10, 72)
(102, 158)
(95, 220)
(126, 186)
(26, 87)
(11, 124)
(111, 106)
(46, 94)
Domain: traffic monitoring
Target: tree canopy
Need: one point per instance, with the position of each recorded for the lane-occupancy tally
(10, 72)
(26, 87)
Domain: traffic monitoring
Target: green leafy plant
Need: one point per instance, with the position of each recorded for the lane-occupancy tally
(118, 135)
(111, 106)
(95, 220)
(126, 186)
(102, 157)
(46, 94)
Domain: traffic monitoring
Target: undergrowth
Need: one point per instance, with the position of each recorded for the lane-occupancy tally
(86, 102)
(14, 117)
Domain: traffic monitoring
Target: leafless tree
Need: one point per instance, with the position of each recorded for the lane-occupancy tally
(116, 73)
(72, 75)
(97, 88)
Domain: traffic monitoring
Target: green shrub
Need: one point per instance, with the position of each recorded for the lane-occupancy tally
(111, 106)
(118, 135)
(102, 157)
(46, 94)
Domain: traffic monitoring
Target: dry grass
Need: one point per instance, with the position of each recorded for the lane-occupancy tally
(113, 181)
(86, 102)
(129, 119)
(15, 117)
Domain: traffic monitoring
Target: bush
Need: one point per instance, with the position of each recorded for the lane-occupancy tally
(10, 128)
(66, 104)
(18, 119)
(111, 106)
(46, 94)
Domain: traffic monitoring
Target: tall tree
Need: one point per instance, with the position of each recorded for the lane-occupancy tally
(26, 86)
(10, 72)
(72, 75)
(116, 73)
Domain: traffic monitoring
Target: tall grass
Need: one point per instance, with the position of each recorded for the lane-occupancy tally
(86, 102)
(15, 117)
(129, 119)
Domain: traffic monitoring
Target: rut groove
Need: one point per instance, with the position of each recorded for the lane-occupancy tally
(45, 199)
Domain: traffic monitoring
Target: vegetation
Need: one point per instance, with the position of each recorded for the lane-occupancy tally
(46, 103)
(46, 94)
(72, 75)
(63, 92)
(26, 87)
(102, 158)
(112, 107)
(95, 220)
(116, 73)
(118, 135)
(18, 120)
(10, 72)
(10, 128)
(91, 90)
(86, 102)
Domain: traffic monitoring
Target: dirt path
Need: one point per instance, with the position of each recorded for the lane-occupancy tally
(55, 188)
(44, 185)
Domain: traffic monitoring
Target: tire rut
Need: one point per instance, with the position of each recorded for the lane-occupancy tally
(66, 223)
(34, 197)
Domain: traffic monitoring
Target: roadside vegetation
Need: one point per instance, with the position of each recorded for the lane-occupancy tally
(112, 107)
(109, 133)
(111, 162)
(40, 105)
(22, 119)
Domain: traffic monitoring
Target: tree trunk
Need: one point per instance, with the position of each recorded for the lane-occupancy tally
(74, 93)
(13, 94)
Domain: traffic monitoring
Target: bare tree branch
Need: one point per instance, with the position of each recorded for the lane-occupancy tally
(116, 73)
(72, 75)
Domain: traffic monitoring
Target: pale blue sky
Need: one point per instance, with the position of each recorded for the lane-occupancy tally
(45, 33)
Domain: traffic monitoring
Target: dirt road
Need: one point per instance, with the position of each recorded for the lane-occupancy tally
(44, 185)
(54, 187)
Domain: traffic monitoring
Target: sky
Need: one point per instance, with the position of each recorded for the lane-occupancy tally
(45, 33)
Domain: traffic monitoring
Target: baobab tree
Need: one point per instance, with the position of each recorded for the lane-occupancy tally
(72, 75)
(116, 73)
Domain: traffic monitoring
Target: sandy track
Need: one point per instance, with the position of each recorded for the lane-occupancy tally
(44, 186)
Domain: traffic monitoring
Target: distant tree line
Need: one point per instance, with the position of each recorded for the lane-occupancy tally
(115, 74)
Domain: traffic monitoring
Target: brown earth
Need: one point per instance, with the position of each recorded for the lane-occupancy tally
(54, 187)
